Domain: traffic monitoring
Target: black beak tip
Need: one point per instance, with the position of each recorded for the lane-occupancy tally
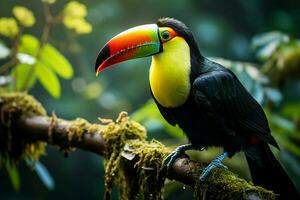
(103, 55)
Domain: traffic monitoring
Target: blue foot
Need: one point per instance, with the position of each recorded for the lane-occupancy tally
(178, 152)
(217, 162)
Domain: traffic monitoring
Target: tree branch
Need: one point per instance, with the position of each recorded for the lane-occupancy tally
(221, 183)
(37, 129)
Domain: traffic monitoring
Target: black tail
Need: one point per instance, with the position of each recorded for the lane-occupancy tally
(267, 172)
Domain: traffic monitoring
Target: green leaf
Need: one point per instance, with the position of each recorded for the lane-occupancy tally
(51, 57)
(14, 177)
(20, 73)
(29, 44)
(48, 79)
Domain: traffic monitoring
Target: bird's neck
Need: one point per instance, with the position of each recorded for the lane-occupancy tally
(170, 73)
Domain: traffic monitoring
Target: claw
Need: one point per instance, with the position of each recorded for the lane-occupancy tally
(215, 163)
(178, 152)
(170, 159)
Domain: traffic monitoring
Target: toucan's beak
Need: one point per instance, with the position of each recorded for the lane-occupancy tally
(137, 42)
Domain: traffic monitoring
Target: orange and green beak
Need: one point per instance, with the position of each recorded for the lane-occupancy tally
(137, 42)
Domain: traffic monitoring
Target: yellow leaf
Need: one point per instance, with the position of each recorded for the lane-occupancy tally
(75, 9)
(24, 16)
(83, 27)
(8, 27)
(29, 44)
(74, 14)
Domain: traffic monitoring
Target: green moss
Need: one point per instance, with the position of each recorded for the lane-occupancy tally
(228, 186)
(134, 164)
(75, 132)
(79, 127)
(13, 147)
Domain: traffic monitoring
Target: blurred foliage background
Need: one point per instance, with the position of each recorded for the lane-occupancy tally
(49, 47)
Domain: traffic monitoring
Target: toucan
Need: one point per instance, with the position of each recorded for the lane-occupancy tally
(206, 100)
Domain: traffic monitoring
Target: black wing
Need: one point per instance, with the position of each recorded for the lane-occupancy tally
(219, 93)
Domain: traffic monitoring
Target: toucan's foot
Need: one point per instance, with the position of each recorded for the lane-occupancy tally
(178, 152)
(215, 163)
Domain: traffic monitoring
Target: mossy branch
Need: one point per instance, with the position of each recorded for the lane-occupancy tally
(135, 164)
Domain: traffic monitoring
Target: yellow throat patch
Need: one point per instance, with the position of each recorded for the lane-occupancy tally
(170, 73)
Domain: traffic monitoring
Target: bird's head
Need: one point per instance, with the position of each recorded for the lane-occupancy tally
(143, 41)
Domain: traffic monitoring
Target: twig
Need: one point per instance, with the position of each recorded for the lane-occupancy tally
(5, 67)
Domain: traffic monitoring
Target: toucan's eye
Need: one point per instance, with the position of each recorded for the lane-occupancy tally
(166, 35)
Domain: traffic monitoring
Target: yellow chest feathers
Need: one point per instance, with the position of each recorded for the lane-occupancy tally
(170, 73)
